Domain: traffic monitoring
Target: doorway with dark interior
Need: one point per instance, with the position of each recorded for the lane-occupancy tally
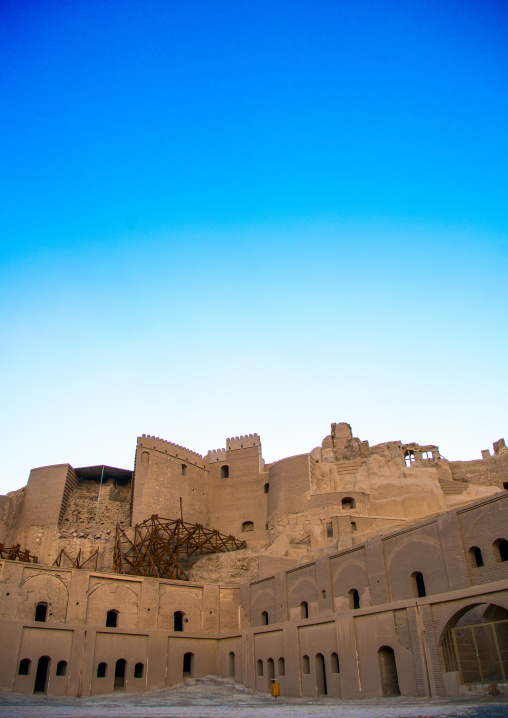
(41, 675)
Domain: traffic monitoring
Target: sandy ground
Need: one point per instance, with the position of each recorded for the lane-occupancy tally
(219, 698)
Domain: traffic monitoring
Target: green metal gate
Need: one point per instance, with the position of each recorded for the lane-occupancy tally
(479, 653)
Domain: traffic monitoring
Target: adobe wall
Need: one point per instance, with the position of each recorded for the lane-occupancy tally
(334, 497)
(381, 569)
(221, 620)
(46, 493)
(10, 509)
(75, 630)
(87, 510)
(164, 473)
(389, 614)
(490, 471)
(240, 497)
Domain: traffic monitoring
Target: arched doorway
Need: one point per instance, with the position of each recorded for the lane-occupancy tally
(388, 672)
(231, 667)
(42, 674)
(270, 671)
(120, 674)
(188, 665)
(322, 688)
(474, 644)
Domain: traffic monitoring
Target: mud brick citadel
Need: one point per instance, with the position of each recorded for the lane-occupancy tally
(351, 571)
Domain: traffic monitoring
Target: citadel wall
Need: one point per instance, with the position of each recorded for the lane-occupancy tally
(339, 494)
(304, 626)
(239, 491)
(166, 474)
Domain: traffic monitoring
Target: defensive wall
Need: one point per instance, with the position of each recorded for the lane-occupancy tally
(335, 496)
(384, 548)
(360, 622)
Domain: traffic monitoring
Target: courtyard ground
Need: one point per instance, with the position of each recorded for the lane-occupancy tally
(219, 698)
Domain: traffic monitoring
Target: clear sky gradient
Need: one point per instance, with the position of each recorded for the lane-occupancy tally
(219, 218)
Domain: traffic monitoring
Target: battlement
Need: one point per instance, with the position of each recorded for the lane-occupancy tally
(216, 455)
(500, 447)
(179, 452)
(243, 442)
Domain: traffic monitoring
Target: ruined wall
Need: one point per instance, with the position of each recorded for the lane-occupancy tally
(490, 471)
(10, 509)
(303, 506)
(85, 509)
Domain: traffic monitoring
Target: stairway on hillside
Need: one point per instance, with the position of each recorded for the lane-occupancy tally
(453, 487)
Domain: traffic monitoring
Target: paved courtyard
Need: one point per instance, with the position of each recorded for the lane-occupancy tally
(219, 698)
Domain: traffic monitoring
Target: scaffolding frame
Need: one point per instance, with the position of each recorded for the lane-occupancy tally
(75, 562)
(158, 545)
(16, 553)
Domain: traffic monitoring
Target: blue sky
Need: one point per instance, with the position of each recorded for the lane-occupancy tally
(225, 218)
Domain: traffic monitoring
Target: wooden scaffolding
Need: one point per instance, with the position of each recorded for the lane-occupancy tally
(63, 559)
(156, 547)
(16, 553)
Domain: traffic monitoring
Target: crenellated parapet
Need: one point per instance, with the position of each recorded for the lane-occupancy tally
(216, 455)
(174, 450)
(243, 442)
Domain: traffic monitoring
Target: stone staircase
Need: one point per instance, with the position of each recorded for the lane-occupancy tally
(453, 487)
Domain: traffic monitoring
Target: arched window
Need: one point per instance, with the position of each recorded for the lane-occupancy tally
(304, 609)
(348, 503)
(178, 621)
(264, 618)
(305, 665)
(112, 619)
(41, 612)
(354, 599)
(184, 469)
(353, 525)
(224, 472)
(248, 526)
(475, 557)
(281, 667)
(145, 457)
(409, 457)
(188, 665)
(139, 669)
(259, 667)
(266, 488)
(120, 674)
(24, 667)
(231, 666)
(501, 549)
(61, 668)
(418, 585)
(102, 670)
(335, 663)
